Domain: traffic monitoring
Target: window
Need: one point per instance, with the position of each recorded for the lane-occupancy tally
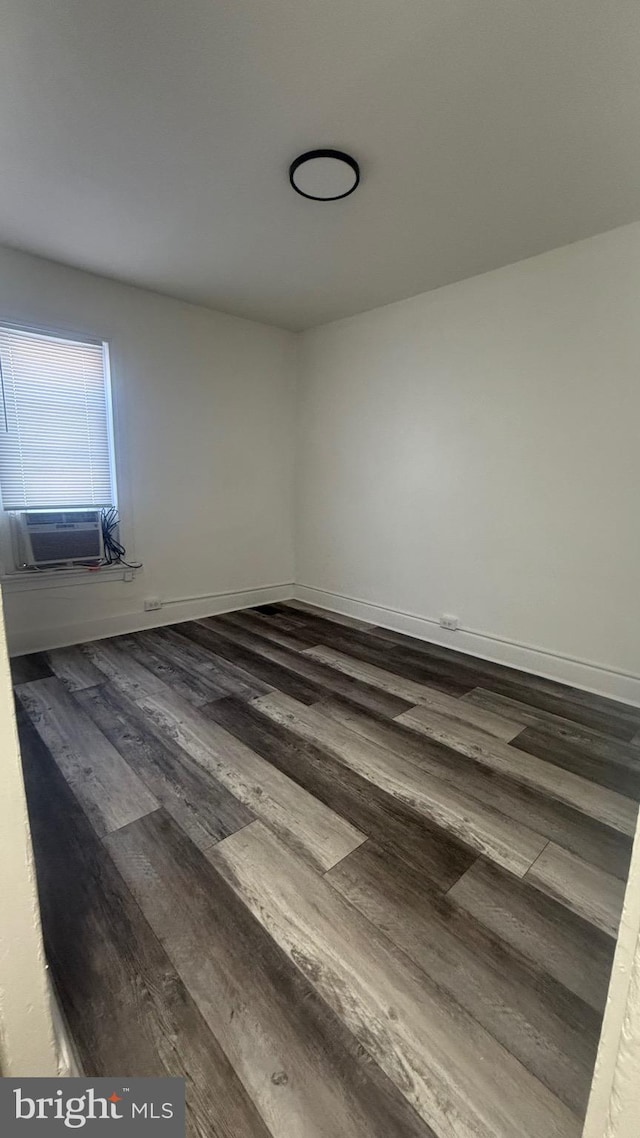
(56, 447)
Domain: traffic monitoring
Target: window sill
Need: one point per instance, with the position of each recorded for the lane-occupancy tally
(25, 580)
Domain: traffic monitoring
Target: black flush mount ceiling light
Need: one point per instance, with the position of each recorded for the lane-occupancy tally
(324, 175)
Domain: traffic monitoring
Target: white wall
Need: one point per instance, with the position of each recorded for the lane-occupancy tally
(204, 440)
(473, 450)
(27, 1044)
(476, 450)
(614, 1102)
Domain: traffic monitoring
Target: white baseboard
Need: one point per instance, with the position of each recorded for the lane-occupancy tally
(69, 1066)
(585, 674)
(172, 612)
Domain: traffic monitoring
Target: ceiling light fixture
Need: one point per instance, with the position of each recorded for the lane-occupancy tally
(324, 175)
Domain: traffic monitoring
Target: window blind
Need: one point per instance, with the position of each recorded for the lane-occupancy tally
(55, 430)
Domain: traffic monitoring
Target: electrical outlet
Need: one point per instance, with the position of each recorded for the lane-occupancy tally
(152, 603)
(449, 621)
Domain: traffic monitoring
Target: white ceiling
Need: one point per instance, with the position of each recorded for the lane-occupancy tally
(149, 140)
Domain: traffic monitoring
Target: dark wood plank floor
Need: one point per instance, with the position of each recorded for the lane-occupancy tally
(347, 883)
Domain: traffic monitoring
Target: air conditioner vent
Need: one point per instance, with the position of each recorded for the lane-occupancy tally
(48, 538)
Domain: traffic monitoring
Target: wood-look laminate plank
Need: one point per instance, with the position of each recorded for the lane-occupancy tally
(207, 675)
(272, 616)
(336, 617)
(492, 678)
(273, 674)
(513, 709)
(553, 1033)
(498, 671)
(522, 966)
(598, 712)
(74, 669)
(127, 1008)
(452, 657)
(274, 621)
(583, 888)
(252, 621)
(34, 666)
(191, 687)
(440, 859)
(193, 657)
(194, 687)
(108, 789)
(328, 679)
(395, 658)
(543, 931)
(300, 1065)
(314, 830)
(595, 743)
(457, 1076)
(118, 665)
(417, 693)
(591, 840)
(608, 716)
(477, 826)
(198, 802)
(598, 802)
(599, 759)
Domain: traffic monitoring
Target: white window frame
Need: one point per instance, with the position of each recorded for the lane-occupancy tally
(111, 438)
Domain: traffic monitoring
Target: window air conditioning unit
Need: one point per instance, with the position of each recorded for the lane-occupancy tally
(64, 537)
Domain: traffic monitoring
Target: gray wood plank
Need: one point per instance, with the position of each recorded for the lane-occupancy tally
(74, 669)
(521, 713)
(314, 830)
(608, 762)
(553, 1033)
(463, 1082)
(197, 801)
(479, 827)
(204, 682)
(273, 674)
(328, 679)
(543, 931)
(585, 740)
(599, 844)
(108, 789)
(440, 858)
(415, 693)
(120, 667)
(193, 687)
(232, 680)
(598, 802)
(273, 616)
(526, 960)
(609, 716)
(300, 1065)
(253, 621)
(336, 617)
(403, 661)
(449, 658)
(33, 666)
(583, 888)
(127, 1008)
